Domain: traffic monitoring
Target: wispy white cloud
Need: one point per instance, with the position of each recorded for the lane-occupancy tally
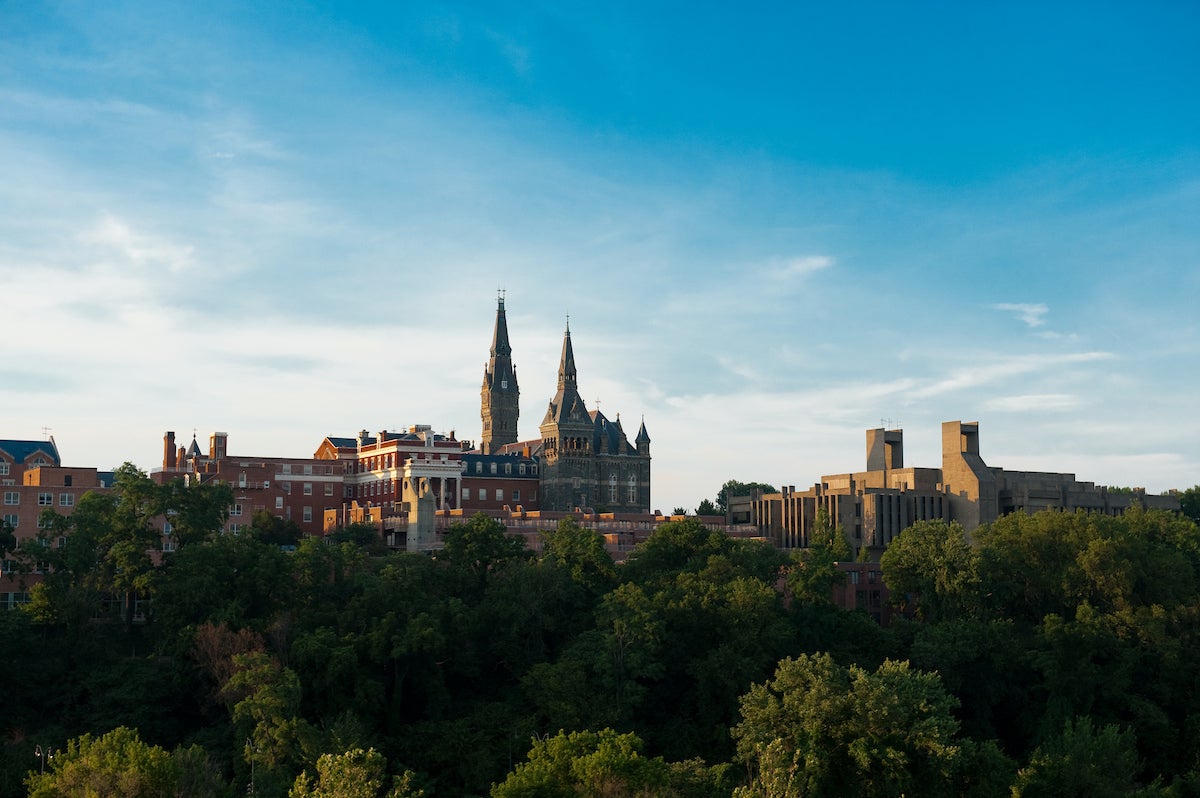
(801, 266)
(1033, 314)
(138, 249)
(988, 373)
(1033, 402)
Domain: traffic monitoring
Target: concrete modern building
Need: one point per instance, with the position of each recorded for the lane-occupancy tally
(875, 505)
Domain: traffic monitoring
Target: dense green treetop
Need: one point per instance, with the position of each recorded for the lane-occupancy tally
(735, 488)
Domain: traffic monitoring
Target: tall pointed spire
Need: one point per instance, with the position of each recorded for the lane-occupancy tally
(567, 376)
(500, 396)
(500, 345)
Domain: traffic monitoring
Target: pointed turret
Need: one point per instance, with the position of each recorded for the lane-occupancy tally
(500, 396)
(643, 439)
(567, 376)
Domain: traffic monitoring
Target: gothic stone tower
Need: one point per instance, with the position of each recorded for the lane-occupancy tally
(500, 395)
(586, 460)
(567, 475)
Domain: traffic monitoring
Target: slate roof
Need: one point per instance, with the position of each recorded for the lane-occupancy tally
(20, 451)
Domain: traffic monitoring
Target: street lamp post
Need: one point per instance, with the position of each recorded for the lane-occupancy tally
(250, 747)
(43, 755)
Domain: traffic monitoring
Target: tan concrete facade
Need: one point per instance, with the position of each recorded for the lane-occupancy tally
(875, 505)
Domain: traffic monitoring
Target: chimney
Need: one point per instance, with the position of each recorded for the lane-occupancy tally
(217, 445)
(169, 452)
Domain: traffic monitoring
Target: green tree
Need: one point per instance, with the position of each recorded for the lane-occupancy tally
(198, 511)
(266, 527)
(582, 552)
(706, 507)
(480, 546)
(735, 488)
(1081, 762)
(353, 774)
(1189, 503)
(675, 546)
(814, 572)
(587, 764)
(265, 708)
(119, 765)
(932, 565)
(819, 729)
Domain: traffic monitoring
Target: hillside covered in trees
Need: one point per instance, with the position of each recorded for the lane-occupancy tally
(1050, 655)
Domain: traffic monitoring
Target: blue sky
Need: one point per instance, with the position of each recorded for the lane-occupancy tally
(772, 228)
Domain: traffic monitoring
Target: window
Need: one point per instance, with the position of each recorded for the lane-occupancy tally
(235, 509)
(287, 487)
(307, 488)
(308, 470)
(235, 528)
(278, 502)
(632, 490)
(307, 515)
(521, 469)
(66, 500)
(287, 468)
(612, 487)
(466, 493)
(499, 494)
(168, 546)
(4, 467)
(45, 499)
(11, 520)
(516, 495)
(67, 481)
(479, 468)
(493, 468)
(328, 488)
(12, 497)
(167, 528)
(482, 495)
(508, 468)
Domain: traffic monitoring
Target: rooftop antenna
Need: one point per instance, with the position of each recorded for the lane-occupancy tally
(46, 431)
(887, 422)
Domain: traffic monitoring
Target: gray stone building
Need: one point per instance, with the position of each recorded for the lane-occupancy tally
(585, 460)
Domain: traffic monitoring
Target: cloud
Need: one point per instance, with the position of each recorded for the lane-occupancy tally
(974, 376)
(1030, 313)
(137, 248)
(1033, 402)
(802, 266)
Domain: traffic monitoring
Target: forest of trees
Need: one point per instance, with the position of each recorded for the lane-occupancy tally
(1047, 655)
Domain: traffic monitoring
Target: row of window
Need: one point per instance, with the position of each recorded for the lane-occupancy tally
(5, 466)
(236, 511)
(286, 468)
(483, 494)
(492, 468)
(13, 498)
